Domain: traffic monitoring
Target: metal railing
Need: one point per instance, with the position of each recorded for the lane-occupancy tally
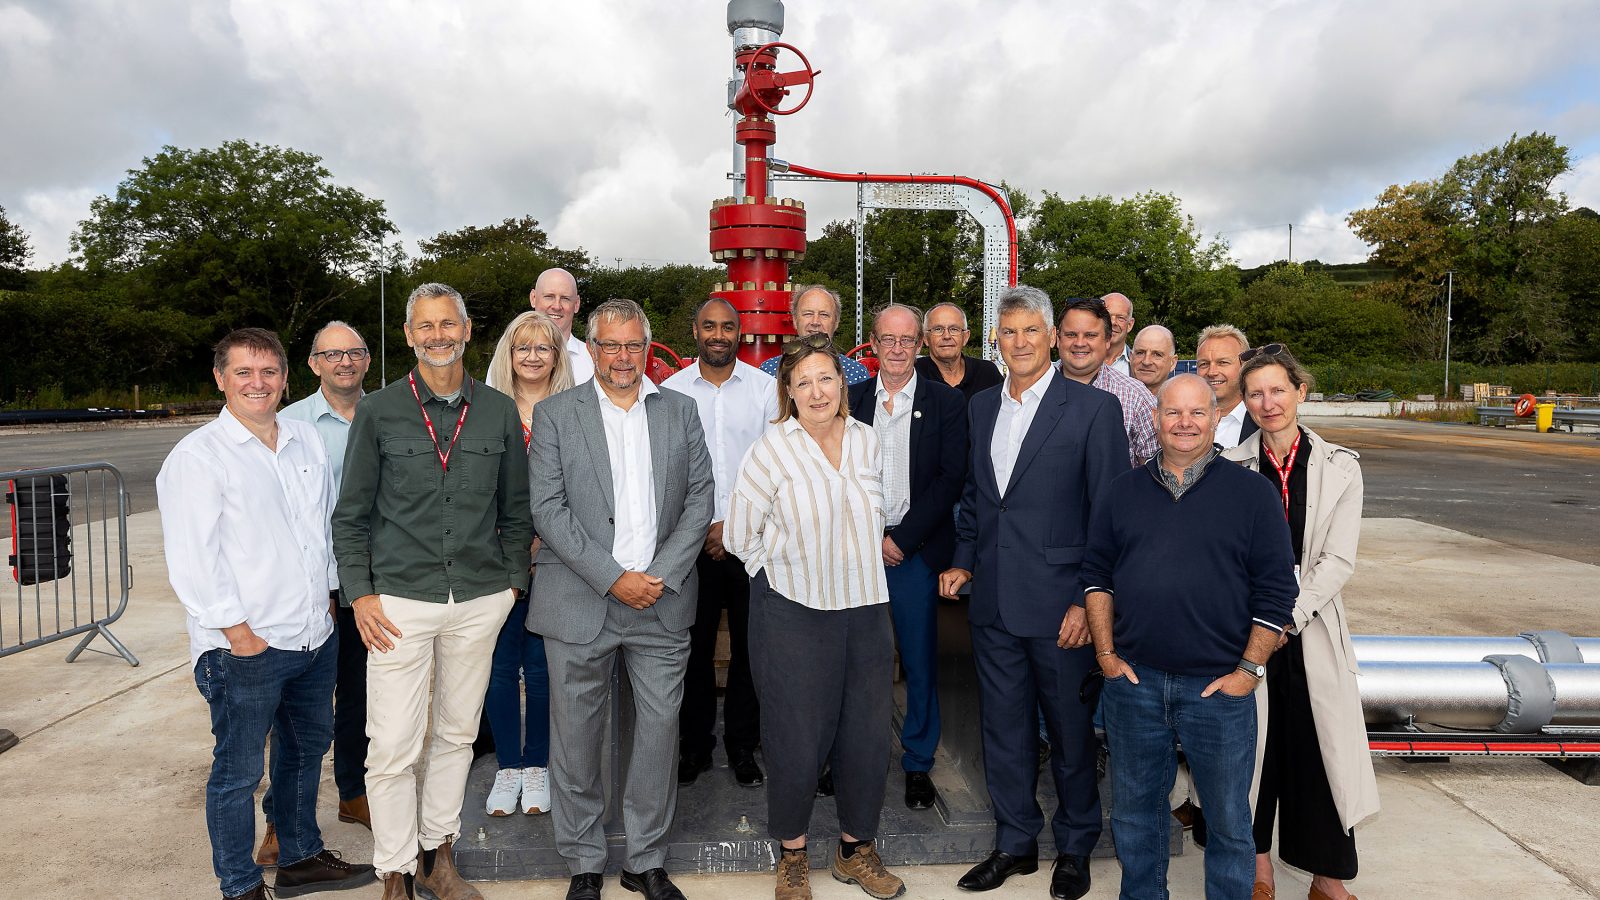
(70, 570)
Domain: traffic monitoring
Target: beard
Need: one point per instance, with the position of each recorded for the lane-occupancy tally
(718, 359)
(455, 356)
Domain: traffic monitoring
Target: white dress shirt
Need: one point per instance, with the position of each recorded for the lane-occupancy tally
(894, 437)
(733, 414)
(633, 485)
(1229, 427)
(1011, 426)
(1124, 360)
(582, 362)
(816, 530)
(333, 428)
(246, 534)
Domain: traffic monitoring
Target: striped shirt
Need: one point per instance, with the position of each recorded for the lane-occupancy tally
(817, 530)
(1138, 412)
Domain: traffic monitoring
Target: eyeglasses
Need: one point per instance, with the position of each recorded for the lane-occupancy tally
(809, 342)
(524, 350)
(337, 356)
(942, 330)
(612, 348)
(1268, 350)
(890, 343)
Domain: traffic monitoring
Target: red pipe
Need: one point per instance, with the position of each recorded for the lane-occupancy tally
(988, 191)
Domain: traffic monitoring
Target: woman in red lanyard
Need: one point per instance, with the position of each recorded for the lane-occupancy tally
(530, 363)
(1316, 775)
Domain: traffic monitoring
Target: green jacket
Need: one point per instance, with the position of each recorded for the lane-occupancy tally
(405, 527)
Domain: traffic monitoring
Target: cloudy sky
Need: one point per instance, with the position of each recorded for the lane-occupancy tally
(605, 119)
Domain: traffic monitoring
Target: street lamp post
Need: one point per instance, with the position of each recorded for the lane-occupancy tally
(1449, 291)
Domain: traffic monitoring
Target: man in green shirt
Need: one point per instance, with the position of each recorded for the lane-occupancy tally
(431, 534)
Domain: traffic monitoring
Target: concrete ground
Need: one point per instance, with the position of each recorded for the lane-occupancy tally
(103, 795)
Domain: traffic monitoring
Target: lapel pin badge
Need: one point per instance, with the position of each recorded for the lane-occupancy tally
(916, 414)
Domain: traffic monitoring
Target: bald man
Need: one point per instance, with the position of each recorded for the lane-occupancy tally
(555, 294)
(1119, 357)
(1155, 355)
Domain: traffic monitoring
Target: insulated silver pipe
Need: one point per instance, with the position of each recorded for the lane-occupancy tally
(1407, 648)
(1470, 695)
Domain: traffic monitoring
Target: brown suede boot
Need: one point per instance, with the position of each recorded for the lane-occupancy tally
(794, 876)
(865, 868)
(267, 856)
(397, 886)
(443, 882)
(356, 811)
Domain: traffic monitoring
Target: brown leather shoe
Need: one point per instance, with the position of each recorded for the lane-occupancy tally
(1262, 891)
(794, 876)
(443, 882)
(397, 886)
(865, 868)
(1185, 815)
(1318, 895)
(267, 855)
(356, 811)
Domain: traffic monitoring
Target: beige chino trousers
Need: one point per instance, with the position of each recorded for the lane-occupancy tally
(450, 645)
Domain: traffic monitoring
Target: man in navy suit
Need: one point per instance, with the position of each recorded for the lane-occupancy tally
(1042, 450)
(922, 430)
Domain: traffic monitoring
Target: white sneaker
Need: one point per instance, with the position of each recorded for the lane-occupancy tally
(503, 796)
(535, 791)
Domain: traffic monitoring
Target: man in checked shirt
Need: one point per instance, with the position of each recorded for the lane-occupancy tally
(1083, 338)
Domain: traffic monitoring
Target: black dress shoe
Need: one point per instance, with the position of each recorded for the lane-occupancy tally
(825, 782)
(919, 790)
(690, 765)
(323, 872)
(993, 872)
(745, 769)
(585, 886)
(1070, 880)
(653, 884)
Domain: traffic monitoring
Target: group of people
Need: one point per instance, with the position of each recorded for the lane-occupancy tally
(383, 571)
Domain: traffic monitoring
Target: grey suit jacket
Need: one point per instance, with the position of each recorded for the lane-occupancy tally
(572, 495)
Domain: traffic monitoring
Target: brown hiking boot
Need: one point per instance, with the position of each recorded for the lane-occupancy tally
(356, 811)
(864, 868)
(443, 882)
(267, 856)
(794, 876)
(397, 886)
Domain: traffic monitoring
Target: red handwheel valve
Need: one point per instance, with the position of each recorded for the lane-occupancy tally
(766, 87)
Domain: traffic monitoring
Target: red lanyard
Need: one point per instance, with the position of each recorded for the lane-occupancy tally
(1283, 470)
(444, 454)
(527, 436)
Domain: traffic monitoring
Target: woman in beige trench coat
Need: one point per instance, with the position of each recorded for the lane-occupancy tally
(1316, 773)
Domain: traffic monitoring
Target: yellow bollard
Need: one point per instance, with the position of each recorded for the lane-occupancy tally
(1545, 414)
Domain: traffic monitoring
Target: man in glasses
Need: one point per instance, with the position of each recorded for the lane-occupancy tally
(922, 430)
(945, 332)
(1119, 355)
(816, 310)
(622, 491)
(1219, 355)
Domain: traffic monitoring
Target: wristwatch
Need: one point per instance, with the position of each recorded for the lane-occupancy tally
(1253, 668)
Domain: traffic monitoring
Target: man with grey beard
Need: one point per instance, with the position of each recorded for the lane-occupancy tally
(431, 533)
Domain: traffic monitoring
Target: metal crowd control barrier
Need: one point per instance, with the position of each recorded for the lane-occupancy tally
(71, 574)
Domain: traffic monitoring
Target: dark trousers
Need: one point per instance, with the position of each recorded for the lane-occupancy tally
(1016, 676)
(826, 680)
(914, 604)
(723, 583)
(1294, 785)
(290, 692)
(349, 716)
(520, 742)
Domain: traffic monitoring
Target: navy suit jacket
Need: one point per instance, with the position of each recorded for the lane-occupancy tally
(1023, 542)
(938, 466)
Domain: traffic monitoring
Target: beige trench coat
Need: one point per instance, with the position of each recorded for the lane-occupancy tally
(1333, 529)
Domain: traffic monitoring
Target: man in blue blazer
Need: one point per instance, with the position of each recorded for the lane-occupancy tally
(922, 430)
(1043, 448)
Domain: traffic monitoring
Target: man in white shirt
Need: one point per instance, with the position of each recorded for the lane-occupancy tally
(245, 501)
(1119, 356)
(736, 402)
(1218, 360)
(555, 293)
(622, 493)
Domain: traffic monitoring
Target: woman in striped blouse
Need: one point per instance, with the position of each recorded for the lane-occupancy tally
(806, 516)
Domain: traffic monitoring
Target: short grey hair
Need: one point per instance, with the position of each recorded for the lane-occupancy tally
(945, 305)
(916, 315)
(618, 309)
(1024, 298)
(436, 289)
(804, 289)
(316, 339)
(1160, 330)
(1183, 378)
(1212, 332)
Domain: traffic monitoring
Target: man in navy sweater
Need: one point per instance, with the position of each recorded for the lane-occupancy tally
(1189, 583)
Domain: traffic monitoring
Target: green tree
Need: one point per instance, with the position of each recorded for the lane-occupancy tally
(1319, 319)
(15, 252)
(242, 234)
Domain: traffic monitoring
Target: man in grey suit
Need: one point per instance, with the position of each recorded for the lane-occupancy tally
(622, 494)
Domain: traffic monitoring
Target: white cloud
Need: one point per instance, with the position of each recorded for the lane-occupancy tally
(1582, 183)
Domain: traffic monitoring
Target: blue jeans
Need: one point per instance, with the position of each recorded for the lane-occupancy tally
(1144, 724)
(290, 692)
(518, 658)
(914, 605)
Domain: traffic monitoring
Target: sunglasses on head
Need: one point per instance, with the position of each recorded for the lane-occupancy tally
(809, 342)
(1253, 352)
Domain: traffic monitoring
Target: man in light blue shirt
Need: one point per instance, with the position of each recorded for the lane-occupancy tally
(340, 358)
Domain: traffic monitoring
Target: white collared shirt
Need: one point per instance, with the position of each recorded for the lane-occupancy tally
(894, 437)
(633, 484)
(1011, 426)
(582, 362)
(817, 530)
(733, 415)
(333, 428)
(1230, 426)
(246, 534)
(1124, 360)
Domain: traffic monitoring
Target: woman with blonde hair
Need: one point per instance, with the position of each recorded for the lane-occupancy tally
(1316, 776)
(530, 363)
